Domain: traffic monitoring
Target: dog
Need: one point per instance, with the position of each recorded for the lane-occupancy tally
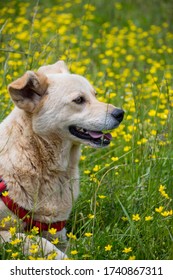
(55, 112)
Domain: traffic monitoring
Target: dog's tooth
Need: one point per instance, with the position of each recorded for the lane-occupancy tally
(79, 129)
(82, 130)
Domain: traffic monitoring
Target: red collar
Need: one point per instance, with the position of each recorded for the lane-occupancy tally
(24, 214)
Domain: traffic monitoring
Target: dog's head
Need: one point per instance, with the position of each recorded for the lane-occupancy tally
(64, 104)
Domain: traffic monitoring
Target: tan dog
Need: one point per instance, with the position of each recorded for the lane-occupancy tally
(40, 141)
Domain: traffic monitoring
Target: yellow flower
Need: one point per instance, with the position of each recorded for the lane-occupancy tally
(8, 250)
(90, 216)
(136, 217)
(14, 255)
(74, 252)
(166, 213)
(96, 168)
(124, 219)
(132, 257)
(127, 137)
(52, 231)
(102, 196)
(83, 157)
(71, 235)
(88, 234)
(34, 248)
(7, 219)
(12, 230)
(114, 158)
(152, 113)
(144, 140)
(55, 241)
(16, 241)
(163, 192)
(35, 230)
(108, 247)
(127, 250)
(161, 188)
(127, 148)
(160, 209)
(153, 132)
(32, 258)
(30, 236)
(87, 171)
(148, 218)
(2, 224)
(52, 256)
(5, 193)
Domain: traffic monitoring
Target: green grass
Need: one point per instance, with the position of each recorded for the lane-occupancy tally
(125, 49)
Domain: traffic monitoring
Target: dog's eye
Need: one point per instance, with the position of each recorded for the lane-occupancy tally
(79, 100)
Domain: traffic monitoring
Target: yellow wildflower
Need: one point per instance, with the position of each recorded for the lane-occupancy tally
(14, 255)
(83, 157)
(127, 250)
(34, 248)
(7, 219)
(74, 252)
(108, 247)
(30, 236)
(148, 218)
(8, 250)
(127, 148)
(5, 193)
(35, 230)
(114, 158)
(71, 235)
(102, 196)
(96, 168)
(55, 241)
(90, 216)
(12, 230)
(52, 256)
(124, 218)
(32, 258)
(87, 171)
(16, 241)
(132, 257)
(52, 231)
(163, 192)
(136, 217)
(88, 234)
(160, 209)
(166, 213)
(152, 113)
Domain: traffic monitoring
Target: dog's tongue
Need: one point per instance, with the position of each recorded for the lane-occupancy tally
(98, 134)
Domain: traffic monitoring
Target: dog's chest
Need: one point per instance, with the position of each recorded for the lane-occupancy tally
(55, 199)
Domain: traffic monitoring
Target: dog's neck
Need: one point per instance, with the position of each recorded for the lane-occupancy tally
(25, 155)
(16, 134)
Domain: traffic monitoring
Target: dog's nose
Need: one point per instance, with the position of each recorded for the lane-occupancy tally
(118, 114)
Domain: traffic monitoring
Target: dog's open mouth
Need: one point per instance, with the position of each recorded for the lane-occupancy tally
(96, 137)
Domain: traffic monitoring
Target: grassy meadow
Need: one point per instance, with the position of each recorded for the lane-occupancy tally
(125, 49)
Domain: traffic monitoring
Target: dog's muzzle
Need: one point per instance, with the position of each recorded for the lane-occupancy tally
(98, 138)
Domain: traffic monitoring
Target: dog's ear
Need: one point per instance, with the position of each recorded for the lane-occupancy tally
(58, 67)
(27, 91)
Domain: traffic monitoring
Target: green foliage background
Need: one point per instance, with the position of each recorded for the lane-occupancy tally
(125, 49)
